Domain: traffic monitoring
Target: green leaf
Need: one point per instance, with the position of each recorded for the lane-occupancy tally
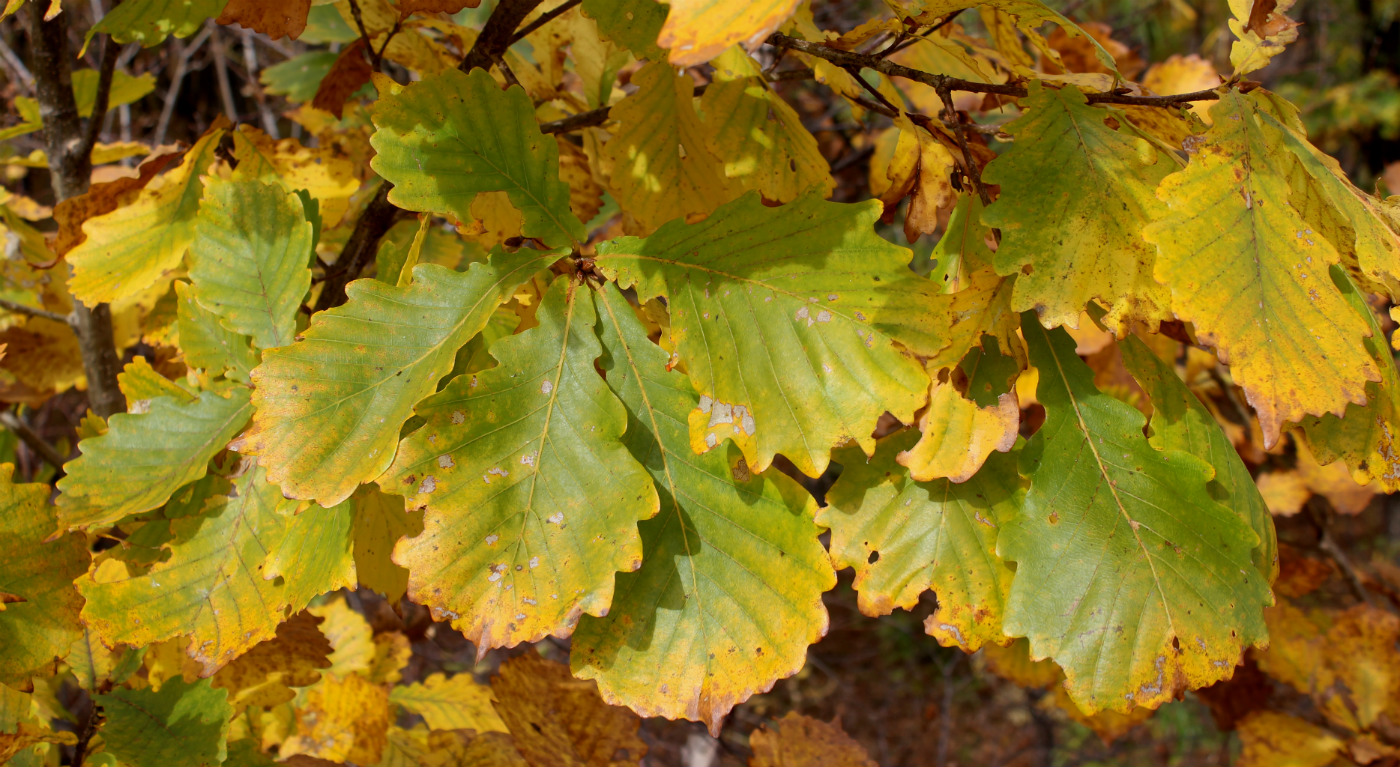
(450, 136)
(216, 588)
(249, 259)
(1250, 273)
(181, 725)
(1181, 422)
(530, 500)
(206, 343)
(1366, 438)
(150, 22)
(299, 77)
(905, 537)
(38, 605)
(380, 521)
(632, 24)
(1129, 575)
(729, 595)
(144, 458)
(125, 89)
(1084, 239)
(787, 320)
(127, 250)
(329, 407)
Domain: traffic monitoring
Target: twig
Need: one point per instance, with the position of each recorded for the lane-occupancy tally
(182, 64)
(497, 34)
(893, 111)
(544, 18)
(374, 56)
(389, 38)
(949, 83)
(31, 438)
(910, 40)
(380, 215)
(1322, 520)
(31, 311)
(969, 165)
(221, 75)
(18, 71)
(106, 70)
(250, 63)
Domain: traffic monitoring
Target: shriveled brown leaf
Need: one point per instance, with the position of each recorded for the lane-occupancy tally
(409, 7)
(274, 18)
(558, 720)
(349, 74)
(799, 741)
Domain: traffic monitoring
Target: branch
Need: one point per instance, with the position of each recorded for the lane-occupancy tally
(70, 172)
(380, 214)
(30, 311)
(498, 33)
(31, 438)
(107, 69)
(544, 18)
(374, 56)
(949, 83)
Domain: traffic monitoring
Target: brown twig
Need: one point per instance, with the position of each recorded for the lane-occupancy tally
(497, 34)
(953, 116)
(543, 19)
(30, 311)
(911, 39)
(31, 438)
(949, 83)
(107, 69)
(374, 56)
(1322, 519)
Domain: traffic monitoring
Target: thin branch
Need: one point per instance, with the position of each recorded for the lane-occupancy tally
(949, 83)
(908, 41)
(1322, 520)
(18, 71)
(250, 63)
(374, 55)
(182, 65)
(544, 18)
(28, 436)
(108, 68)
(30, 311)
(216, 46)
(960, 133)
(497, 34)
(890, 110)
(380, 215)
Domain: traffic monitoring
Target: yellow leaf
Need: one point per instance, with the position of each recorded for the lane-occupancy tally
(456, 703)
(1183, 74)
(349, 633)
(662, 165)
(1284, 492)
(698, 30)
(43, 355)
(760, 139)
(1262, 31)
(344, 720)
(958, 435)
(1276, 739)
(380, 521)
(1334, 482)
(263, 676)
(325, 173)
(1249, 272)
(127, 250)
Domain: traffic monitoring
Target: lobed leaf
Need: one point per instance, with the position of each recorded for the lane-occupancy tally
(905, 537)
(249, 259)
(215, 587)
(787, 319)
(729, 595)
(144, 458)
(128, 249)
(1129, 575)
(328, 408)
(1082, 240)
(447, 138)
(530, 500)
(38, 605)
(1250, 273)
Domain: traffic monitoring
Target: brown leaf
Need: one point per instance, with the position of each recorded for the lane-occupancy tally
(800, 740)
(558, 720)
(274, 18)
(263, 676)
(410, 7)
(349, 74)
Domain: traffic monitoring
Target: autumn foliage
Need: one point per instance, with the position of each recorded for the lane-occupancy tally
(560, 322)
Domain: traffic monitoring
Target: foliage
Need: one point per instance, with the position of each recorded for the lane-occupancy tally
(585, 342)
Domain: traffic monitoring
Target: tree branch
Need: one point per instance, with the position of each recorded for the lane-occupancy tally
(106, 70)
(70, 172)
(544, 18)
(948, 83)
(30, 311)
(374, 56)
(380, 214)
(28, 436)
